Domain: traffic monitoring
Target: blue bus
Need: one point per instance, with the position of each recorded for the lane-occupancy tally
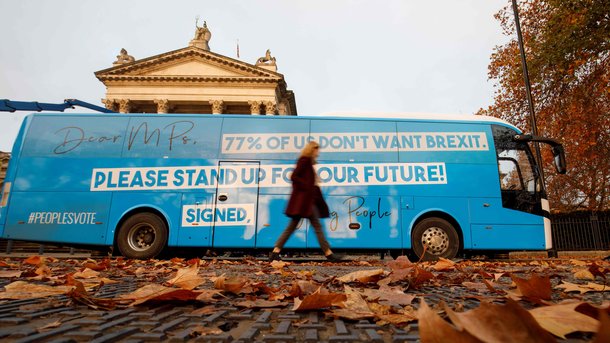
(434, 185)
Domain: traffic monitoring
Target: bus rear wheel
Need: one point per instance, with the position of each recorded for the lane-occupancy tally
(439, 236)
(142, 236)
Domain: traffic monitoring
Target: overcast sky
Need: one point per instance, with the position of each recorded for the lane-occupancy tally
(337, 56)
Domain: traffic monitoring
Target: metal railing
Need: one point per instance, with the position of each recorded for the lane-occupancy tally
(581, 231)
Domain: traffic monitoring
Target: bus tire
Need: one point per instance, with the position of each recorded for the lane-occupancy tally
(142, 236)
(439, 235)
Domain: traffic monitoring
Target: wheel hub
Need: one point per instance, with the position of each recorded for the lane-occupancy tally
(141, 237)
(436, 239)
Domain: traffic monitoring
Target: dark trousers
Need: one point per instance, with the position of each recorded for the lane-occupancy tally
(292, 226)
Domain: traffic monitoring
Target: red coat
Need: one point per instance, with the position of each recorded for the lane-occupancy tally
(305, 193)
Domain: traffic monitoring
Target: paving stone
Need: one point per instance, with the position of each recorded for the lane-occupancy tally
(150, 336)
(43, 335)
(249, 335)
(116, 335)
(84, 335)
(171, 325)
(114, 314)
(115, 323)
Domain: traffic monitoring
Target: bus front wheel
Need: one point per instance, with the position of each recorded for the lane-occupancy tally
(439, 238)
(142, 236)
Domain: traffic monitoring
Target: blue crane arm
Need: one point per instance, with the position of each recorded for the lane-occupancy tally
(76, 102)
(12, 106)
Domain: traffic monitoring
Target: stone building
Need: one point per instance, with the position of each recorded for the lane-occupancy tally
(196, 80)
(4, 158)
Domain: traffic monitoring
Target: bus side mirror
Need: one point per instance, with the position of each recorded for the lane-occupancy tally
(559, 157)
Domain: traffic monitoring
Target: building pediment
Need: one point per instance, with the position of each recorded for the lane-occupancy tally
(196, 80)
(187, 64)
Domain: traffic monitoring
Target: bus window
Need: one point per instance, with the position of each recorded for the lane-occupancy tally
(516, 172)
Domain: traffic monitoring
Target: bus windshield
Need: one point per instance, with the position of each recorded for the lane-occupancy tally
(520, 182)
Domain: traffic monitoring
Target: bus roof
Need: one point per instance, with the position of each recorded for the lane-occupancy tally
(390, 116)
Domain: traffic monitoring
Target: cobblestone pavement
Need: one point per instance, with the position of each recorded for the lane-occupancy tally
(60, 319)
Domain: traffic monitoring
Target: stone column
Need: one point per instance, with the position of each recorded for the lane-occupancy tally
(111, 104)
(217, 106)
(162, 105)
(255, 107)
(124, 105)
(270, 108)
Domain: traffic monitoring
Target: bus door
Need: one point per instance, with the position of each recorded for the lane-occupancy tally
(236, 205)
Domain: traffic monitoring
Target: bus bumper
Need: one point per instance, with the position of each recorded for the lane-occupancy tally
(548, 234)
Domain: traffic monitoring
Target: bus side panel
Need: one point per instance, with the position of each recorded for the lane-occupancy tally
(272, 221)
(168, 203)
(456, 208)
(361, 221)
(70, 217)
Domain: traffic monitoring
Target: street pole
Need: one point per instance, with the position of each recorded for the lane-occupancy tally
(528, 91)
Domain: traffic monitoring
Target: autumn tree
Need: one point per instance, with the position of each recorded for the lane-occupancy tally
(567, 45)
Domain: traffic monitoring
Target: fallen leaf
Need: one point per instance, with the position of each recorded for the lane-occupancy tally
(93, 265)
(260, 303)
(603, 331)
(477, 286)
(49, 325)
(235, 285)
(419, 277)
(187, 278)
(279, 264)
(401, 262)
(598, 271)
(301, 288)
(497, 276)
(204, 310)
(208, 295)
(10, 273)
(433, 328)
(355, 307)
(80, 295)
(535, 288)
(443, 264)
(593, 311)
(562, 319)
(25, 290)
(395, 319)
(363, 276)
(86, 274)
(34, 260)
(584, 274)
(394, 296)
(318, 300)
(589, 287)
(200, 330)
(500, 323)
(153, 292)
(578, 263)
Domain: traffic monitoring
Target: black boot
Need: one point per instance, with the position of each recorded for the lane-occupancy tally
(274, 256)
(334, 258)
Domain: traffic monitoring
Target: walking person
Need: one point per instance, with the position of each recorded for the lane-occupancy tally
(306, 201)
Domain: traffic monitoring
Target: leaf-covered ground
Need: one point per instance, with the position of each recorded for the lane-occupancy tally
(520, 301)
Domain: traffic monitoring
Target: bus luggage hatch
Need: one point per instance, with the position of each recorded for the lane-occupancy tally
(236, 205)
